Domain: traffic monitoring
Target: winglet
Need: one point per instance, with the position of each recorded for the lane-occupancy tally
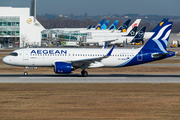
(109, 53)
(104, 46)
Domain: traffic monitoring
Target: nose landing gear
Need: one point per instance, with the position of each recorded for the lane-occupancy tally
(26, 71)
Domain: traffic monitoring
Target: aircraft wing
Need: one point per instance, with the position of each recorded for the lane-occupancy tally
(87, 62)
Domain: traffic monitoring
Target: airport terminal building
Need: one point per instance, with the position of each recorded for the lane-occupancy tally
(18, 28)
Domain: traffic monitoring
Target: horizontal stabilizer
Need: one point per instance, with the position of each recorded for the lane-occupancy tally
(159, 55)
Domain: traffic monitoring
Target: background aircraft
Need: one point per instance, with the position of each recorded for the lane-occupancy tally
(123, 27)
(110, 37)
(113, 26)
(104, 26)
(132, 37)
(98, 26)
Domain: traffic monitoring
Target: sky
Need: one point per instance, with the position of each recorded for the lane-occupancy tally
(101, 7)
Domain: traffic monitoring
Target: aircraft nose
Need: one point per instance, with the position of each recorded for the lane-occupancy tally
(5, 60)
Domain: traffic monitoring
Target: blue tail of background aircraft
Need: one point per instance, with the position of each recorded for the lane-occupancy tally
(98, 26)
(123, 27)
(160, 24)
(89, 27)
(93, 26)
(113, 26)
(104, 26)
(139, 36)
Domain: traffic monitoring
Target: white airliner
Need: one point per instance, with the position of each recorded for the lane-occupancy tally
(132, 37)
(65, 60)
(103, 36)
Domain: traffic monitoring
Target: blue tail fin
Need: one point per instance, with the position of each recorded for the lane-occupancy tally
(98, 26)
(159, 40)
(113, 26)
(159, 25)
(132, 32)
(139, 36)
(89, 27)
(123, 27)
(93, 26)
(104, 26)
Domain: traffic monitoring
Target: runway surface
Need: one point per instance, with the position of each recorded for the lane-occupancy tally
(92, 78)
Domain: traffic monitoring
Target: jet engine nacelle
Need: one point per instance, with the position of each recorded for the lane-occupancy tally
(62, 67)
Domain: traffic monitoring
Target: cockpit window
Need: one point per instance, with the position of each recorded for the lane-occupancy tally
(13, 54)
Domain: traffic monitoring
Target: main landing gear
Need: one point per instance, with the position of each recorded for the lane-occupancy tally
(84, 73)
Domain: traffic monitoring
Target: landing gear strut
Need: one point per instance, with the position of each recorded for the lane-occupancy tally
(84, 73)
(26, 71)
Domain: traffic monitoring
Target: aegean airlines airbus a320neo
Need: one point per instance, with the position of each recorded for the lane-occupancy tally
(65, 60)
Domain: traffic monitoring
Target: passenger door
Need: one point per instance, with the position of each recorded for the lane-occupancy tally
(25, 55)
